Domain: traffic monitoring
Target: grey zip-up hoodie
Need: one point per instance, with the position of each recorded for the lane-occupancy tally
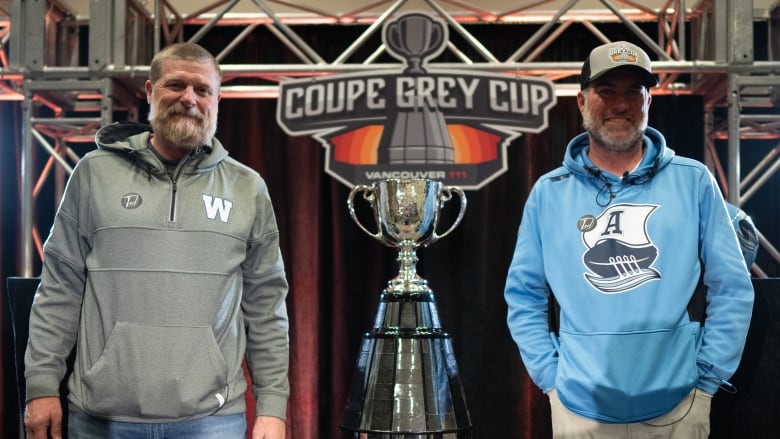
(162, 282)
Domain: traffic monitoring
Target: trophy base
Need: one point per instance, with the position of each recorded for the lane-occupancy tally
(406, 383)
(371, 435)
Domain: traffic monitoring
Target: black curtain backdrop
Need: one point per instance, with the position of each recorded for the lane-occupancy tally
(337, 272)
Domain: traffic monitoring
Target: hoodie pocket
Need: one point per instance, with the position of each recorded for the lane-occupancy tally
(626, 377)
(157, 372)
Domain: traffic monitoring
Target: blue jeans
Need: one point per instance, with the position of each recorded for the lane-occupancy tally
(82, 426)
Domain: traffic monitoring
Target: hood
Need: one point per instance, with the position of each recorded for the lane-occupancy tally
(132, 139)
(657, 156)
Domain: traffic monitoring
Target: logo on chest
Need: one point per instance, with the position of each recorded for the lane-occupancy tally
(217, 208)
(131, 200)
(619, 254)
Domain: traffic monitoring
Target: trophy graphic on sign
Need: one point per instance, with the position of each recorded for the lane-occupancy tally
(406, 382)
(418, 134)
(415, 37)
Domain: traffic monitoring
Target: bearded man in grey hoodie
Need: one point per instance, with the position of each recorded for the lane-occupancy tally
(163, 269)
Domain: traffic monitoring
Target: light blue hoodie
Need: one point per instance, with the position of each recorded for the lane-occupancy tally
(623, 256)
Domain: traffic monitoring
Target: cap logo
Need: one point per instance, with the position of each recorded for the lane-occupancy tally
(623, 54)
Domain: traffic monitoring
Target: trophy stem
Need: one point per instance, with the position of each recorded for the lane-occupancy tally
(407, 281)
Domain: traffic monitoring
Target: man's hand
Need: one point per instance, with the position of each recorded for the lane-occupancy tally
(43, 417)
(268, 427)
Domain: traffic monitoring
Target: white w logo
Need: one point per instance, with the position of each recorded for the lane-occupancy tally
(217, 205)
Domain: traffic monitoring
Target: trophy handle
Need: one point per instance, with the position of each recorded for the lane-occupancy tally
(368, 195)
(446, 195)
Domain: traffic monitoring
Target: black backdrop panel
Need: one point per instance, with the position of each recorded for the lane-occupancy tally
(753, 411)
(16, 316)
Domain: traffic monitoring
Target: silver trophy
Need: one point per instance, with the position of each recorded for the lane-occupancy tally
(406, 382)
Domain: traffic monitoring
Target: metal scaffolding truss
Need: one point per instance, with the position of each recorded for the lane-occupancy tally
(702, 48)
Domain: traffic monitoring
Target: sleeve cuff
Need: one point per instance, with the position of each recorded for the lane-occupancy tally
(271, 405)
(41, 385)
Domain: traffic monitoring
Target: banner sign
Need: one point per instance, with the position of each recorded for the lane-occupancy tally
(445, 125)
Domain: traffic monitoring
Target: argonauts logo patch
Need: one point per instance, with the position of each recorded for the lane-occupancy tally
(620, 254)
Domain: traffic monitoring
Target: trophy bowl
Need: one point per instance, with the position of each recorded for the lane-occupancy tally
(406, 211)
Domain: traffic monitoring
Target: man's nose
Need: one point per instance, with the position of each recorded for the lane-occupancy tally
(188, 96)
(621, 101)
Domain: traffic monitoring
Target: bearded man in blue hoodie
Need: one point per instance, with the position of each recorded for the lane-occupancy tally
(627, 294)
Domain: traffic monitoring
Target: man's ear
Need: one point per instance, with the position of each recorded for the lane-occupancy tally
(581, 100)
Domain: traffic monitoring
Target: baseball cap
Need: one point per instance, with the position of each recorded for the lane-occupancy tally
(618, 54)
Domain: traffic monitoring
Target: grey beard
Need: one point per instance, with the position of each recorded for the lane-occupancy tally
(612, 143)
(186, 132)
(615, 144)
